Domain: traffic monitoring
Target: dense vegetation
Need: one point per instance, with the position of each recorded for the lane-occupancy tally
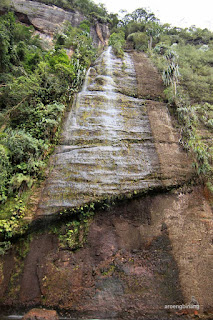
(35, 87)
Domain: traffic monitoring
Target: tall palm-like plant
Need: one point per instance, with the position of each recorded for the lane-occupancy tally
(171, 74)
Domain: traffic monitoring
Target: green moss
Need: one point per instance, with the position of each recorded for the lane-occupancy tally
(15, 225)
(21, 251)
(108, 271)
(13, 204)
(73, 234)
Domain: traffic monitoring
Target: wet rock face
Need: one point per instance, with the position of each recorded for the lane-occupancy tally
(49, 19)
(107, 149)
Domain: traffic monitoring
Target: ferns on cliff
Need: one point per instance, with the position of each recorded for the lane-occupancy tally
(35, 86)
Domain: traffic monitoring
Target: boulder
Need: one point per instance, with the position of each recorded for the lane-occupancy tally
(41, 314)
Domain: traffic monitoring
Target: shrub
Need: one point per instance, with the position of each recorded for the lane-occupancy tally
(22, 146)
(140, 40)
(117, 42)
(5, 171)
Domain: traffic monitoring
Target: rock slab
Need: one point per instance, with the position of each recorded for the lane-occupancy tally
(49, 19)
(107, 149)
(41, 314)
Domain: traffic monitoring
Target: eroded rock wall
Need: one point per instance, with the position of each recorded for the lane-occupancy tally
(140, 254)
(48, 19)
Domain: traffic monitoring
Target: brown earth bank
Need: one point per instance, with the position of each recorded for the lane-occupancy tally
(140, 255)
(175, 164)
(150, 84)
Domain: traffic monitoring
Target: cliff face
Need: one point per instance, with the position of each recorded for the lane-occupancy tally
(49, 19)
(136, 255)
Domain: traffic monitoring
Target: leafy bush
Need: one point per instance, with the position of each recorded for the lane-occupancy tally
(14, 225)
(140, 40)
(117, 42)
(5, 170)
(171, 73)
(21, 145)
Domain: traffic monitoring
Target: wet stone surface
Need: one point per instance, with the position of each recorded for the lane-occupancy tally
(106, 146)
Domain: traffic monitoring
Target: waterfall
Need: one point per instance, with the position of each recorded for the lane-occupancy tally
(106, 145)
(86, 81)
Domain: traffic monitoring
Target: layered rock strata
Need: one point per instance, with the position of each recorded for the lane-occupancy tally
(49, 19)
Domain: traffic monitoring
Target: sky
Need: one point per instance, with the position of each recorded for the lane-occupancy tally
(179, 13)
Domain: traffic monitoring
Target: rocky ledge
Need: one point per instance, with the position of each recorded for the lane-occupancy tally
(41, 314)
(48, 19)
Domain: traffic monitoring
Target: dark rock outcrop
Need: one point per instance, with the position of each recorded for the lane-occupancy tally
(48, 19)
(138, 257)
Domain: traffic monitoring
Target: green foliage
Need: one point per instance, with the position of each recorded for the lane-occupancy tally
(189, 91)
(21, 145)
(196, 67)
(4, 247)
(41, 122)
(5, 171)
(16, 224)
(171, 73)
(140, 15)
(35, 86)
(153, 30)
(72, 235)
(117, 41)
(190, 120)
(141, 27)
(161, 48)
(70, 238)
(142, 20)
(5, 4)
(140, 40)
(80, 41)
(133, 27)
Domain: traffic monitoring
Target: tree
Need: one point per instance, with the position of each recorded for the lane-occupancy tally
(142, 14)
(153, 30)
